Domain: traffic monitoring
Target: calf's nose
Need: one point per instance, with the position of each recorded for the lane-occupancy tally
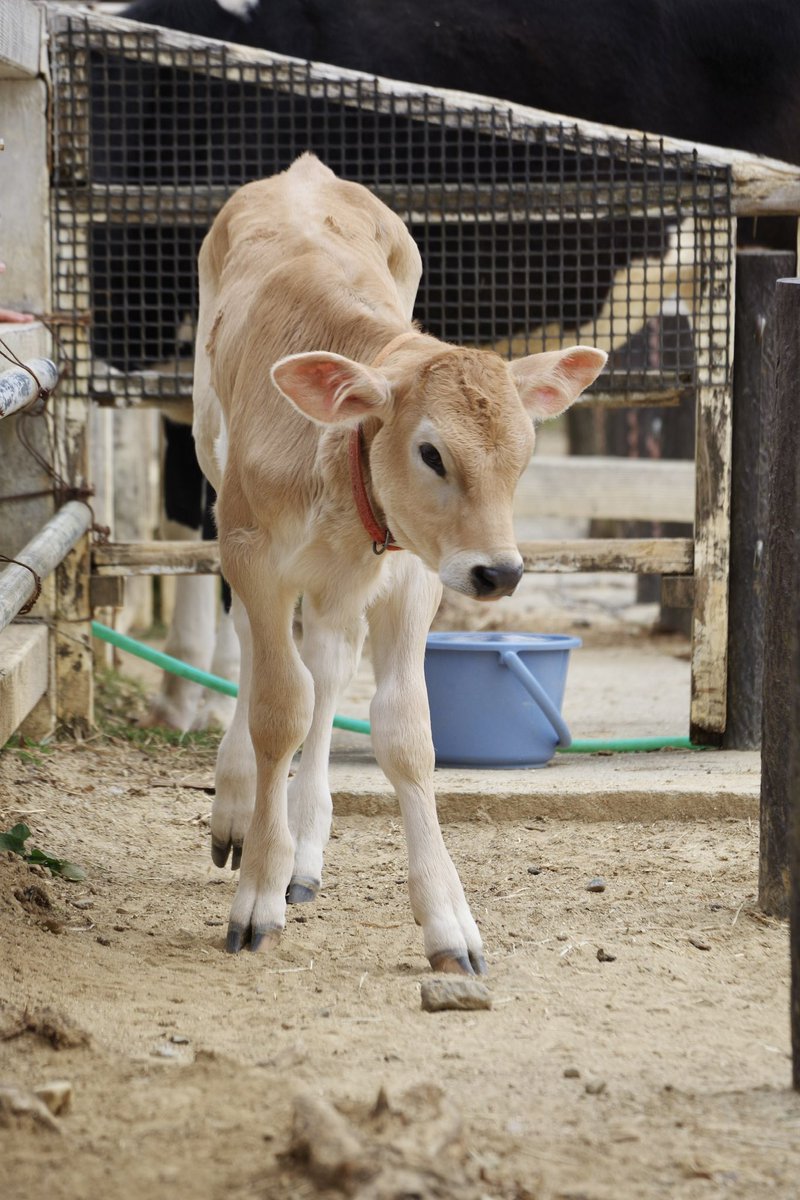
(492, 582)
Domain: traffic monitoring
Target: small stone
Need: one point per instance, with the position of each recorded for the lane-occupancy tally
(562, 937)
(571, 1073)
(19, 1107)
(57, 1096)
(165, 1051)
(534, 870)
(179, 1039)
(597, 884)
(103, 941)
(595, 1087)
(699, 944)
(214, 921)
(461, 994)
(604, 956)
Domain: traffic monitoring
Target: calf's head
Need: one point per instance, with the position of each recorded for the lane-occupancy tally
(455, 432)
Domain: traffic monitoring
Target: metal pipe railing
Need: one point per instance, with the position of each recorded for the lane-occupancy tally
(42, 555)
(20, 385)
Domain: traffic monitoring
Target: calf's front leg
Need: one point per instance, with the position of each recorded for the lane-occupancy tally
(401, 738)
(280, 709)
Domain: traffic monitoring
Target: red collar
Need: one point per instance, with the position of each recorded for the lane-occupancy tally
(382, 538)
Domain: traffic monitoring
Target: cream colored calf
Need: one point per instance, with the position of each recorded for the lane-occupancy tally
(311, 387)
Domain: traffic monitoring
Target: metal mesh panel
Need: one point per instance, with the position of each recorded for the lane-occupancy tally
(533, 235)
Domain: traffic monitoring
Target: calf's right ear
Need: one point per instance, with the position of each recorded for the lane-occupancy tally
(330, 389)
(549, 382)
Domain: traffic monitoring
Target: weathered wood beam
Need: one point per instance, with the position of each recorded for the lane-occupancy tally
(753, 380)
(779, 860)
(197, 205)
(715, 312)
(155, 558)
(671, 556)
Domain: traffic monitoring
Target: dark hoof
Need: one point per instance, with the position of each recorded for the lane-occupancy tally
(236, 856)
(302, 891)
(478, 963)
(448, 963)
(220, 852)
(262, 940)
(237, 938)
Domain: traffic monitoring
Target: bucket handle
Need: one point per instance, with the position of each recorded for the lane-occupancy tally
(510, 659)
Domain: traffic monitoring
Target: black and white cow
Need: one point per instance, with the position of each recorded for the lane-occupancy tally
(721, 72)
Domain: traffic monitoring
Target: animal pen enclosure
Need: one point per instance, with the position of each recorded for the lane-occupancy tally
(535, 232)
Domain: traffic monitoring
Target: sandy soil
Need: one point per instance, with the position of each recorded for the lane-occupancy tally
(637, 1045)
(659, 1068)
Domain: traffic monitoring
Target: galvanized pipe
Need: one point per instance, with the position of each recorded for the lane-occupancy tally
(19, 389)
(42, 554)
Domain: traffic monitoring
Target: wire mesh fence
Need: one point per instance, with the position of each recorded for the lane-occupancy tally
(533, 233)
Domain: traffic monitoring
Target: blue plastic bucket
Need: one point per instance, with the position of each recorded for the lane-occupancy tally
(495, 698)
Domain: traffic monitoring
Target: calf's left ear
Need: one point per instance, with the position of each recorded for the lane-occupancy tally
(548, 383)
(330, 389)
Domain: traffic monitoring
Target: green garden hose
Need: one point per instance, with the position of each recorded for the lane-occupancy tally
(176, 667)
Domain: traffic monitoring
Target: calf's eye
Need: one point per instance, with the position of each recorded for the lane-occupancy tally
(432, 458)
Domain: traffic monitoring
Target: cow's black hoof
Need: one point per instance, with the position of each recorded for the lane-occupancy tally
(302, 891)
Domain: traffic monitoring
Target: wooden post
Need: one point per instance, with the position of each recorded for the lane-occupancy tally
(780, 747)
(714, 316)
(794, 796)
(753, 377)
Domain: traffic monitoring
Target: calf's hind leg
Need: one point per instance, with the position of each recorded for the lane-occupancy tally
(235, 789)
(401, 738)
(331, 646)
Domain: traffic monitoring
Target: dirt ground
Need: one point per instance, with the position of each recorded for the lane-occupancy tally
(637, 1045)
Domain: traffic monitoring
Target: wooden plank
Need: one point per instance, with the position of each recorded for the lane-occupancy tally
(156, 558)
(20, 39)
(644, 556)
(613, 488)
(113, 388)
(196, 207)
(753, 378)
(24, 659)
(670, 556)
(779, 747)
(713, 483)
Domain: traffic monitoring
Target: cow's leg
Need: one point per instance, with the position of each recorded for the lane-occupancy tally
(192, 629)
(235, 790)
(218, 709)
(401, 737)
(281, 700)
(331, 648)
(190, 639)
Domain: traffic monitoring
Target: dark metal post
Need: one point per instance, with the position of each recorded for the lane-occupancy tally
(753, 380)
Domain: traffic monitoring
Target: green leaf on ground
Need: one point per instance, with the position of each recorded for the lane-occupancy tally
(14, 840)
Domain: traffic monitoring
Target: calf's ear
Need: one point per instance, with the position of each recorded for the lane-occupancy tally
(548, 383)
(330, 389)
